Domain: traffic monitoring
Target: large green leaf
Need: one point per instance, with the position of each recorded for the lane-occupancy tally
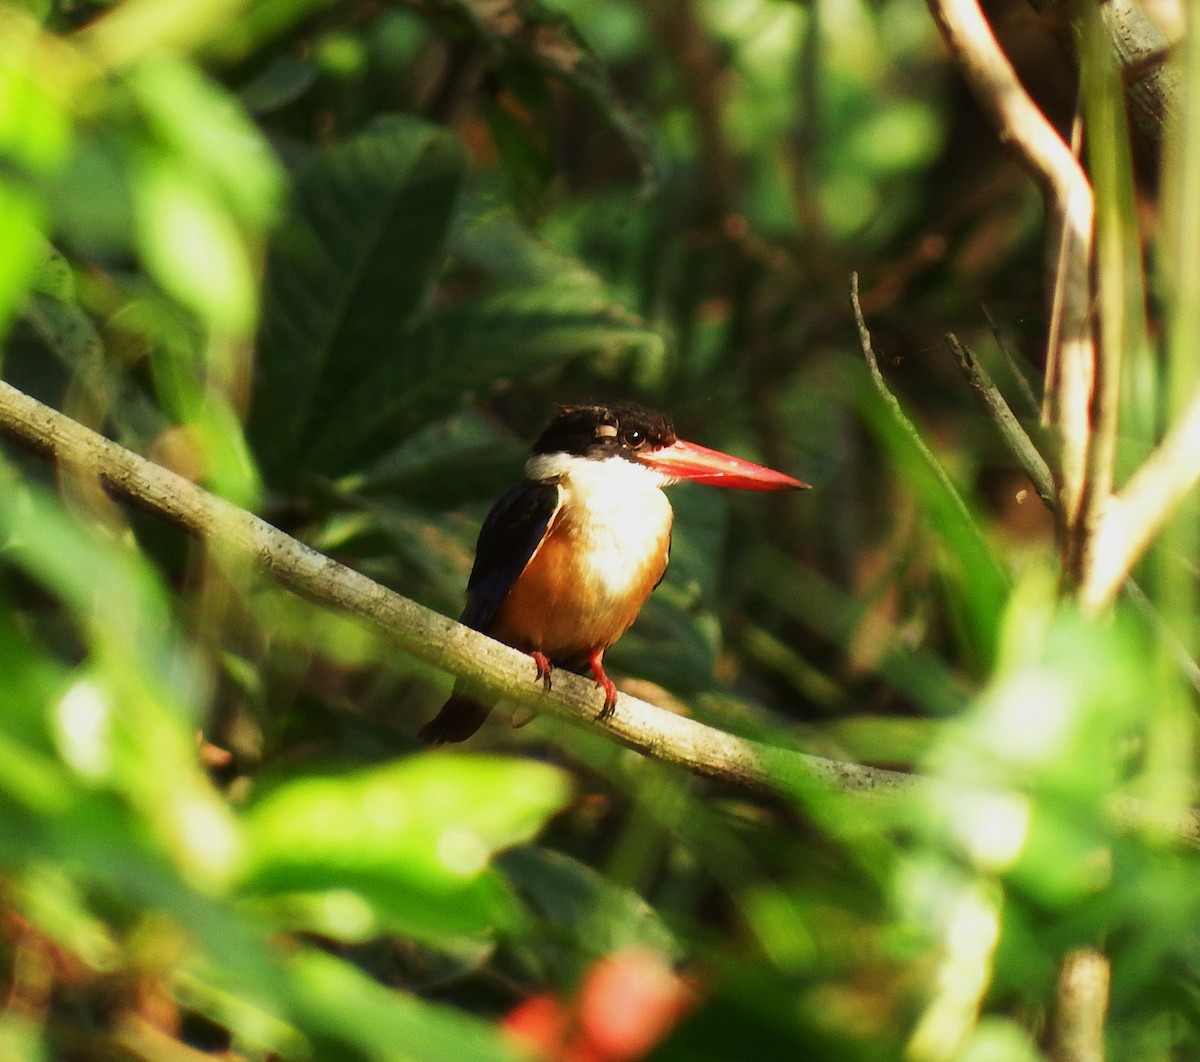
(404, 846)
(346, 279)
(351, 361)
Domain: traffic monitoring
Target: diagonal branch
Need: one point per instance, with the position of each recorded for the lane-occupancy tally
(417, 630)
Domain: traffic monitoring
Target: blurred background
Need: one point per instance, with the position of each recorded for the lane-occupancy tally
(340, 263)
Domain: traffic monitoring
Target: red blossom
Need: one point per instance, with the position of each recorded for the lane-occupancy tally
(628, 1002)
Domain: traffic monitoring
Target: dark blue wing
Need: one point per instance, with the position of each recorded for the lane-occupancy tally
(509, 537)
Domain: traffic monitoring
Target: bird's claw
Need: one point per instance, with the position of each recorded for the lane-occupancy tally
(610, 698)
(544, 668)
(596, 660)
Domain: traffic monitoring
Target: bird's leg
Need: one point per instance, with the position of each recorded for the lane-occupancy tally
(544, 667)
(596, 662)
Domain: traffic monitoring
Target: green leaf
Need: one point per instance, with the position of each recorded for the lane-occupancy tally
(347, 277)
(54, 313)
(580, 915)
(204, 129)
(192, 245)
(507, 335)
(126, 721)
(342, 1003)
(1028, 768)
(34, 137)
(406, 845)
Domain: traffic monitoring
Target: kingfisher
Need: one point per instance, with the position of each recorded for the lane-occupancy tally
(566, 558)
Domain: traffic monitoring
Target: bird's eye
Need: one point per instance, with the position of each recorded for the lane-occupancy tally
(633, 438)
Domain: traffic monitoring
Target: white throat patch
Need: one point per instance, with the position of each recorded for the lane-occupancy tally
(619, 514)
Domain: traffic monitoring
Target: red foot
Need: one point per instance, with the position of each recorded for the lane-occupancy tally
(544, 667)
(595, 661)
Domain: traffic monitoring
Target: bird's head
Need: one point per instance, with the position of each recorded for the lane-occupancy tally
(628, 432)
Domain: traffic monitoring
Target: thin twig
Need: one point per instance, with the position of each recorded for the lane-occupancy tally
(1032, 404)
(1010, 429)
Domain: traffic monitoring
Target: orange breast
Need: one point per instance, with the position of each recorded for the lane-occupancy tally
(584, 586)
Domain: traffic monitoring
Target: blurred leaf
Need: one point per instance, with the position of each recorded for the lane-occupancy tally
(580, 915)
(125, 720)
(192, 246)
(346, 1006)
(978, 585)
(93, 195)
(413, 839)
(1029, 767)
(449, 464)
(73, 338)
(550, 40)
(522, 153)
(35, 134)
(283, 81)
(817, 602)
(205, 131)
(135, 31)
(751, 1013)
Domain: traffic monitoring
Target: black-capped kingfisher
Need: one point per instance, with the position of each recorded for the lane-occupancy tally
(566, 559)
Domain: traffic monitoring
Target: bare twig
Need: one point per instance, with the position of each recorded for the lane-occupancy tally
(1010, 429)
(1070, 362)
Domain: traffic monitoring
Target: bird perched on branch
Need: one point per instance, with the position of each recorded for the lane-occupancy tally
(566, 559)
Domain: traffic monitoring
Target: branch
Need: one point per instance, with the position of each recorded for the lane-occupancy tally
(1143, 51)
(1136, 514)
(417, 630)
(1070, 359)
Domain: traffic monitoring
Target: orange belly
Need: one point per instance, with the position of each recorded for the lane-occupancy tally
(574, 596)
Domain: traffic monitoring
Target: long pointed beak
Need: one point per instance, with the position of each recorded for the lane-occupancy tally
(685, 460)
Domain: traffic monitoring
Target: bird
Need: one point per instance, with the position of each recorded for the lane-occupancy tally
(567, 558)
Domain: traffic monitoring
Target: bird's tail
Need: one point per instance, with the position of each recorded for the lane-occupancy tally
(459, 718)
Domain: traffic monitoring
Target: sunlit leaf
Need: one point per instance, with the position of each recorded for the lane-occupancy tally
(192, 246)
(206, 132)
(412, 839)
(34, 137)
